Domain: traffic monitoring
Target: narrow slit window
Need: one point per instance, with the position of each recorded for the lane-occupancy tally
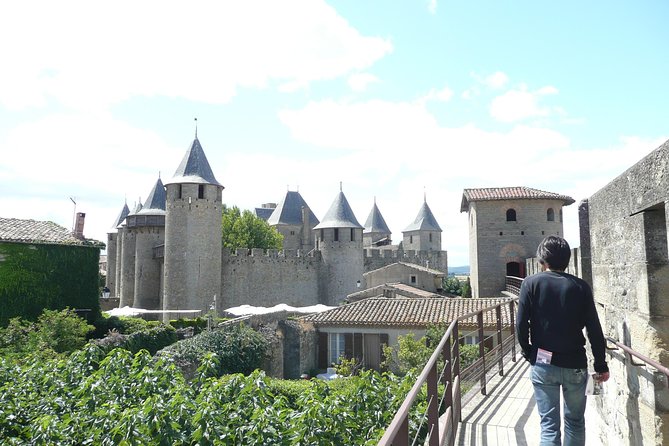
(550, 214)
(200, 191)
(336, 234)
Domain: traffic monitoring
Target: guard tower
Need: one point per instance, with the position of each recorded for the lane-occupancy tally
(506, 224)
(376, 232)
(193, 238)
(112, 251)
(424, 234)
(295, 221)
(339, 239)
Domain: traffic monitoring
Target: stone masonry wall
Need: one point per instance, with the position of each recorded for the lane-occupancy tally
(630, 270)
(378, 258)
(266, 279)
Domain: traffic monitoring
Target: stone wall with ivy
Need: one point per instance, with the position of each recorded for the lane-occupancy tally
(36, 276)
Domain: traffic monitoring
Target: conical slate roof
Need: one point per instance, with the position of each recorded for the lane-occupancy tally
(121, 216)
(194, 167)
(424, 221)
(375, 222)
(340, 215)
(155, 203)
(289, 211)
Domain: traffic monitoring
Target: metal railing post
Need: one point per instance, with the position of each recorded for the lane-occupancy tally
(512, 314)
(498, 312)
(479, 320)
(433, 405)
(447, 380)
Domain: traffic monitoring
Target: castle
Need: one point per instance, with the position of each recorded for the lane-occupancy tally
(168, 255)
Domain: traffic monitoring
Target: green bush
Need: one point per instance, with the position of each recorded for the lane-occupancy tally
(120, 398)
(151, 339)
(54, 332)
(239, 349)
(122, 324)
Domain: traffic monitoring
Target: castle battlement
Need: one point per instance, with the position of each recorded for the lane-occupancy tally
(399, 255)
(270, 254)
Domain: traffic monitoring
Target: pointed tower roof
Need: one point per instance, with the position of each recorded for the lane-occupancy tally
(194, 167)
(121, 216)
(155, 203)
(340, 215)
(289, 211)
(375, 222)
(424, 221)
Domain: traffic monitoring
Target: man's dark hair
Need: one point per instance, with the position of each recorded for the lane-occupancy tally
(554, 252)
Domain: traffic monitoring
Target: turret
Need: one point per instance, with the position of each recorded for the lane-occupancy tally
(293, 219)
(339, 239)
(126, 252)
(112, 258)
(192, 234)
(148, 228)
(424, 234)
(376, 232)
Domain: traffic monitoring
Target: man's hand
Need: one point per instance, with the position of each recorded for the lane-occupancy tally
(602, 377)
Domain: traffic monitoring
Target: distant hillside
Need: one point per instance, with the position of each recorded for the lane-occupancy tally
(458, 270)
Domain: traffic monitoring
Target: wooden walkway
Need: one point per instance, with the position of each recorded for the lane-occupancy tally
(508, 416)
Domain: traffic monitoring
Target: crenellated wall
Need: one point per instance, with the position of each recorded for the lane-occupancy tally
(378, 258)
(256, 277)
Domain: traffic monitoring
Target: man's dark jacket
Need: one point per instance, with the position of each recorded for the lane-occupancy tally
(553, 309)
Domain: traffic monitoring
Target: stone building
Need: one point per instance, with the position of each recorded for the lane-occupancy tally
(376, 232)
(167, 253)
(506, 224)
(424, 234)
(624, 248)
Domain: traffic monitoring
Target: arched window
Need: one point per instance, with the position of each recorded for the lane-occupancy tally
(510, 215)
(550, 214)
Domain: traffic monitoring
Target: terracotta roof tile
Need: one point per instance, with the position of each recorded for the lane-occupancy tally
(407, 312)
(509, 193)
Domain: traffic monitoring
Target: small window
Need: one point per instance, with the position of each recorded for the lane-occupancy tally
(352, 234)
(413, 279)
(510, 215)
(322, 234)
(336, 234)
(430, 237)
(292, 232)
(501, 233)
(560, 215)
(542, 233)
(411, 239)
(200, 191)
(522, 232)
(179, 191)
(550, 214)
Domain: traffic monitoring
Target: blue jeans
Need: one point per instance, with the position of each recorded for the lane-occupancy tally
(547, 380)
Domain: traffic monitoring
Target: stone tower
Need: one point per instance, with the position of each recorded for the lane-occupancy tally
(193, 241)
(339, 239)
(126, 255)
(376, 232)
(148, 228)
(424, 234)
(293, 219)
(506, 224)
(112, 240)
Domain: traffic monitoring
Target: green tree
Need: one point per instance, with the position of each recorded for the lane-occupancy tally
(453, 286)
(245, 230)
(467, 289)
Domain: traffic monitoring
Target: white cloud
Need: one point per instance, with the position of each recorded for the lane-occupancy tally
(496, 80)
(520, 104)
(432, 6)
(443, 95)
(88, 55)
(359, 81)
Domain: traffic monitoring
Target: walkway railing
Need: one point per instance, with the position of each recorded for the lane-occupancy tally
(631, 353)
(447, 405)
(513, 284)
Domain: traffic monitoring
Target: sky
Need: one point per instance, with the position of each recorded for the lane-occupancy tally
(397, 100)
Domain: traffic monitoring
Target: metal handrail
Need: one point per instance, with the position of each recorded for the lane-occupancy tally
(397, 432)
(631, 352)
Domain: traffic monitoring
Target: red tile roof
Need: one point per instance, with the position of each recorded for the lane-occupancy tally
(401, 312)
(509, 193)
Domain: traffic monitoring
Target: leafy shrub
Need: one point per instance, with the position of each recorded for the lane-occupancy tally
(239, 349)
(151, 339)
(54, 332)
(121, 324)
(120, 398)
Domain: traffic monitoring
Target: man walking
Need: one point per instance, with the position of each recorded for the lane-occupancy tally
(553, 309)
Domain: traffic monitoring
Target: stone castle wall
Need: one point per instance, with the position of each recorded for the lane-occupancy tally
(260, 278)
(378, 258)
(630, 274)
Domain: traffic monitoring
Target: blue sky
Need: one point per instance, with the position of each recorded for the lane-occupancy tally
(394, 99)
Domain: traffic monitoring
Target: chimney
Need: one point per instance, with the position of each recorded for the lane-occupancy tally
(79, 225)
